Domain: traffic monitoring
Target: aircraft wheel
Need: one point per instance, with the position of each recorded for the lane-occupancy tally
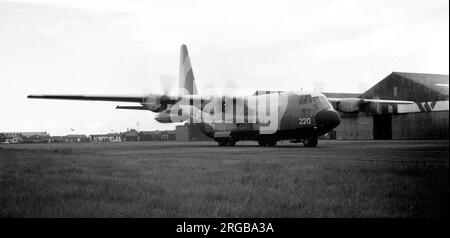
(272, 143)
(227, 143)
(222, 143)
(267, 143)
(230, 143)
(310, 141)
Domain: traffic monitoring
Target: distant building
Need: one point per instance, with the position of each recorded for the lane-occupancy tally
(26, 134)
(168, 135)
(13, 140)
(26, 137)
(157, 135)
(57, 139)
(130, 135)
(110, 137)
(76, 138)
(150, 135)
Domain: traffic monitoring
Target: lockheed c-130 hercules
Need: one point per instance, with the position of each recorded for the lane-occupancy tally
(266, 117)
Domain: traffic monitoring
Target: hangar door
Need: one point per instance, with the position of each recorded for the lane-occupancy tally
(382, 127)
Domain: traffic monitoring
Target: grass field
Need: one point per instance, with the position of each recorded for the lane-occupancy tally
(174, 179)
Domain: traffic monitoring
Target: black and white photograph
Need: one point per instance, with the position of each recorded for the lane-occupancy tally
(224, 109)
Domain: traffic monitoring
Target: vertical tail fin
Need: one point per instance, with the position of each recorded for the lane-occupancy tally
(186, 77)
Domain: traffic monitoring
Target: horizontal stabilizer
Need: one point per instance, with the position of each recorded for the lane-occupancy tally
(132, 107)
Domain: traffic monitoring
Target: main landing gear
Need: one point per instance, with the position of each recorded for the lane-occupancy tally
(227, 142)
(267, 143)
(311, 141)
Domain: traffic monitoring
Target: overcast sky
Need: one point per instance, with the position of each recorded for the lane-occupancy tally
(125, 47)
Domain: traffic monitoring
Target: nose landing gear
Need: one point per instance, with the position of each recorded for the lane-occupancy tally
(227, 142)
(267, 143)
(311, 141)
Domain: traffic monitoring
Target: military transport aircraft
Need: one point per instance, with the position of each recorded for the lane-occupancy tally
(266, 117)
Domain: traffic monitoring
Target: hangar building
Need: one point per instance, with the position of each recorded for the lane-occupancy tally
(427, 119)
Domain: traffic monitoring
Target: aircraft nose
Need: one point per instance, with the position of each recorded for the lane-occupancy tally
(327, 119)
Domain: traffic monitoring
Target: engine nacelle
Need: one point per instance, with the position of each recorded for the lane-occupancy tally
(168, 117)
(153, 103)
(349, 105)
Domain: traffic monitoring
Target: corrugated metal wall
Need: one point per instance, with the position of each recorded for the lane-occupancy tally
(422, 125)
(355, 128)
(408, 126)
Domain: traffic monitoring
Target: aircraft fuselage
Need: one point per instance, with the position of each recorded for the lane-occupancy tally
(265, 118)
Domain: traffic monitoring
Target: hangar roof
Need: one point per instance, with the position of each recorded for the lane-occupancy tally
(411, 87)
(435, 82)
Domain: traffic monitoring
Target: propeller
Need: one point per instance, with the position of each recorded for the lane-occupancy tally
(319, 86)
(157, 98)
(209, 89)
(167, 81)
(367, 111)
(226, 87)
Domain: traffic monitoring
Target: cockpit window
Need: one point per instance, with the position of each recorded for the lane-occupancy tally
(325, 101)
(315, 100)
(304, 99)
(322, 101)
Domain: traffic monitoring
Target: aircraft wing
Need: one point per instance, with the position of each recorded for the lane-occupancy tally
(137, 99)
(363, 100)
(353, 105)
(152, 102)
